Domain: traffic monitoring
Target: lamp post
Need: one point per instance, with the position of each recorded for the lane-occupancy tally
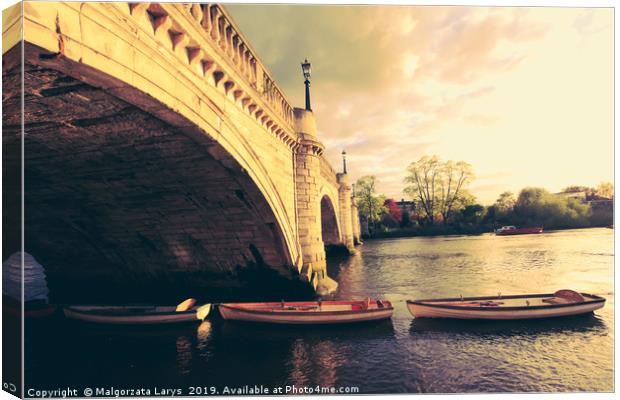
(344, 162)
(305, 68)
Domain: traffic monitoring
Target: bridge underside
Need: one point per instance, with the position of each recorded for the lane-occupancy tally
(116, 199)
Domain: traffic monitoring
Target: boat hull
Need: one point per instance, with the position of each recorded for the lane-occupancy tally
(30, 309)
(30, 313)
(238, 313)
(159, 315)
(520, 231)
(426, 309)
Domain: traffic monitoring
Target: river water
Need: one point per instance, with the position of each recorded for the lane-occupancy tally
(401, 355)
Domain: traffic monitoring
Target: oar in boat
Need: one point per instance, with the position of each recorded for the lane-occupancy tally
(201, 312)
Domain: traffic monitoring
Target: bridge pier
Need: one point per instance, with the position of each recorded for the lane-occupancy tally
(346, 221)
(307, 173)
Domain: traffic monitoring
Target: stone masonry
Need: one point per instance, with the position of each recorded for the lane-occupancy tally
(157, 142)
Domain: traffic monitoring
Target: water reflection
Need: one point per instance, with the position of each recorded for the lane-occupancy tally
(240, 330)
(184, 354)
(203, 334)
(320, 359)
(395, 356)
(588, 323)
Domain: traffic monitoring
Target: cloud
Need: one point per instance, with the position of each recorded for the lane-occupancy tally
(393, 83)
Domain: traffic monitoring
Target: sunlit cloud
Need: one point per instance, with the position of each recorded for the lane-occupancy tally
(525, 95)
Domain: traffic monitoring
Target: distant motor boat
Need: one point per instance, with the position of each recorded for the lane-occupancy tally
(530, 306)
(139, 314)
(308, 312)
(513, 230)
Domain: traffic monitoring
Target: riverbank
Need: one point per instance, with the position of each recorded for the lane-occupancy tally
(447, 231)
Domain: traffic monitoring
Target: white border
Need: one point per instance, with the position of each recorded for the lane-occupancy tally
(541, 3)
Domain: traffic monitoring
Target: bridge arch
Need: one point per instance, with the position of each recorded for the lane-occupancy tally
(165, 112)
(100, 142)
(330, 229)
(134, 197)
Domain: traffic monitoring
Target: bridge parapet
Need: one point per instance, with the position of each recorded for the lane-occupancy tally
(207, 38)
(223, 31)
(203, 37)
(327, 171)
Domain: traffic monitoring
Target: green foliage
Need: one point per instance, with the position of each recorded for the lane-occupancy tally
(439, 190)
(472, 214)
(538, 207)
(369, 204)
(602, 215)
(388, 221)
(405, 220)
(503, 207)
(505, 202)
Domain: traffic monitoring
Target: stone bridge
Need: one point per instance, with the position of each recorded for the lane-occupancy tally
(158, 145)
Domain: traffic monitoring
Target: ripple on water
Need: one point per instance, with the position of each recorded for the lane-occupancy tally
(572, 354)
(401, 355)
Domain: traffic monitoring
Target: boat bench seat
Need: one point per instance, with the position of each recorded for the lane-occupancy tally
(485, 303)
(300, 308)
(557, 300)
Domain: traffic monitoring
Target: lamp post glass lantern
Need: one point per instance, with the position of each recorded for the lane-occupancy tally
(305, 68)
(344, 162)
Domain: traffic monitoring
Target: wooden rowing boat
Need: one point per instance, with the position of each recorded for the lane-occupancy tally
(308, 312)
(137, 315)
(530, 306)
(30, 309)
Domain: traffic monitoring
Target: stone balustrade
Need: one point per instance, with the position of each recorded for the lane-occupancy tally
(236, 69)
(327, 171)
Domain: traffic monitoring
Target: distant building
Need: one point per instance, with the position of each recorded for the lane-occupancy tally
(595, 200)
(574, 195)
(406, 206)
(587, 197)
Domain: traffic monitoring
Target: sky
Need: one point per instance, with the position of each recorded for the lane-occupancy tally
(523, 94)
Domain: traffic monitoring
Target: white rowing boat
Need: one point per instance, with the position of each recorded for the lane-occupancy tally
(139, 315)
(308, 312)
(530, 306)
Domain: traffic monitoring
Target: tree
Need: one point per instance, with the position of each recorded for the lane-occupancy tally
(605, 189)
(473, 213)
(503, 207)
(505, 202)
(490, 215)
(422, 178)
(389, 222)
(437, 185)
(405, 220)
(369, 204)
(393, 210)
(536, 207)
(575, 189)
(464, 199)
